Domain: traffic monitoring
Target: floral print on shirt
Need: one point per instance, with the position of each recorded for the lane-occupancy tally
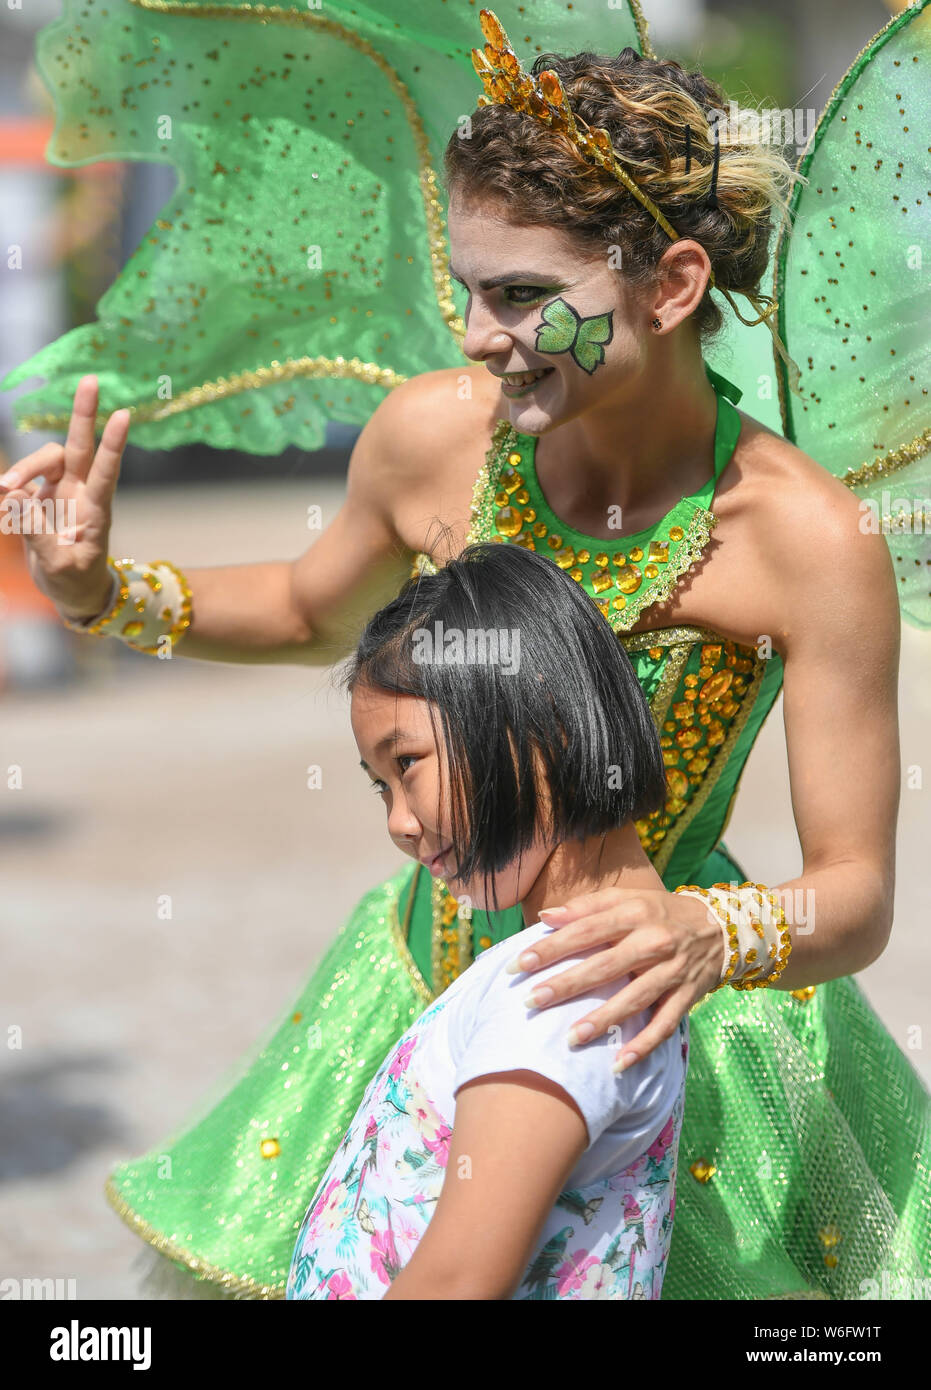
(608, 1240)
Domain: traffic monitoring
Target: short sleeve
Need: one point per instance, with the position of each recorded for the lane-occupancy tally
(500, 1032)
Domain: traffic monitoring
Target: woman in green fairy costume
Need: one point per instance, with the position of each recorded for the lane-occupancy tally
(731, 566)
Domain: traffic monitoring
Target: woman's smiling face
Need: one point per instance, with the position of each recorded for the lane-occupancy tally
(399, 752)
(537, 305)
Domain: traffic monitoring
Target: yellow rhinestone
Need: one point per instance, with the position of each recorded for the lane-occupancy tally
(501, 498)
(677, 782)
(716, 685)
(601, 580)
(619, 603)
(522, 496)
(576, 575)
(650, 571)
(133, 629)
(654, 652)
(511, 481)
(514, 459)
(659, 552)
(601, 560)
(529, 514)
(636, 553)
(803, 995)
(676, 533)
(604, 608)
(583, 557)
(508, 521)
(555, 541)
(629, 582)
(619, 558)
(270, 1148)
(565, 558)
(702, 1169)
(484, 942)
(539, 530)
(526, 541)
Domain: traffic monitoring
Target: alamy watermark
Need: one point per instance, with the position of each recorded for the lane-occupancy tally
(474, 646)
(34, 516)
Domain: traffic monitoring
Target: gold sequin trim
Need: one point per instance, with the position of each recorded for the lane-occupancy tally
(233, 1284)
(399, 937)
(889, 463)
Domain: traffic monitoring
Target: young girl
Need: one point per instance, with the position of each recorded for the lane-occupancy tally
(493, 1156)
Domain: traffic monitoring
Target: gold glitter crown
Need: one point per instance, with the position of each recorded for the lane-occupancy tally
(506, 83)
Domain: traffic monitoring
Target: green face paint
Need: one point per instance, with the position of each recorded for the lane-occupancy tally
(564, 330)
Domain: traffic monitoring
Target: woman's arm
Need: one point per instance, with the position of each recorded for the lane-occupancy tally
(517, 1136)
(833, 615)
(308, 610)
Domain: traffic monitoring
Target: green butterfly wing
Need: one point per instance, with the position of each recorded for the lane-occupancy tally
(560, 328)
(593, 333)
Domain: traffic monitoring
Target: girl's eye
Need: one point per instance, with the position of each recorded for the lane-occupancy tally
(378, 787)
(405, 758)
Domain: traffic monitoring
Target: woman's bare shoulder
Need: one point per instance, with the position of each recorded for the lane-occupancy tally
(778, 477)
(434, 414)
(810, 529)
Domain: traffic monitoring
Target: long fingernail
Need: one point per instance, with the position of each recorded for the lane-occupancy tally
(625, 1060)
(580, 1033)
(550, 912)
(531, 961)
(9, 480)
(537, 997)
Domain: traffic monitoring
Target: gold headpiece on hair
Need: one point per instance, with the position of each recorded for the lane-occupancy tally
(506, 83)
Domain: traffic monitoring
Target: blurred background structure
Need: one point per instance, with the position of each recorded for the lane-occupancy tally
(114, 768)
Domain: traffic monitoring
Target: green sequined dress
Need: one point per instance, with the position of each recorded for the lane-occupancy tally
(805, 1148)
(805, 1141)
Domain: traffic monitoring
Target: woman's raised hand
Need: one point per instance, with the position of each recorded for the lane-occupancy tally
(669, 943)
(65, 519)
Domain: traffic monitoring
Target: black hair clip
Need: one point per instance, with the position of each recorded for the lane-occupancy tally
(713, 195)
(688, 148)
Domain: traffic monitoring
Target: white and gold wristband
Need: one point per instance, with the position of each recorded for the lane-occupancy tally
(149, 607)
(757, 941)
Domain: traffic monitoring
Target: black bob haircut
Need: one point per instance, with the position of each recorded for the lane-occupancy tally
(569, 714)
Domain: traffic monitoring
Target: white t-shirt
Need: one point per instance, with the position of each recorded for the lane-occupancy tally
(380, 1190)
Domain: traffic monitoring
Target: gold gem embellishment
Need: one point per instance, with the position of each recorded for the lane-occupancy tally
(506, 83)
(702, 1170)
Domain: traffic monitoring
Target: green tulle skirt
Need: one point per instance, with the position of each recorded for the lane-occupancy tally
(803, 1162)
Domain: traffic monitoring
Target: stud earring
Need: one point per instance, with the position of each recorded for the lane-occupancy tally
(657, 324)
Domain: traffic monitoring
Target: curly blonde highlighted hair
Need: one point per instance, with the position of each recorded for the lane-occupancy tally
(662, 122)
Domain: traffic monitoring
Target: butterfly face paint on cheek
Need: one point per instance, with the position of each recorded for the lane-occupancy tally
(564, 330)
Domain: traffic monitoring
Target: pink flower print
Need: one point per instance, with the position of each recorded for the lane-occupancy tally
(327, 1213)
(439, 1146)
(570, 1276)
(659, 1146)
(384, 1256)
(339, 1289)
(597, 1281)
(401, 1058)
(371, 1129)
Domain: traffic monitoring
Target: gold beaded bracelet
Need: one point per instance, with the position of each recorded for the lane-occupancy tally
(745, 912)
(149, 610)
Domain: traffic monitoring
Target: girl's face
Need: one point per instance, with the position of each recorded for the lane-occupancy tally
(409, 771)
(535, 306)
